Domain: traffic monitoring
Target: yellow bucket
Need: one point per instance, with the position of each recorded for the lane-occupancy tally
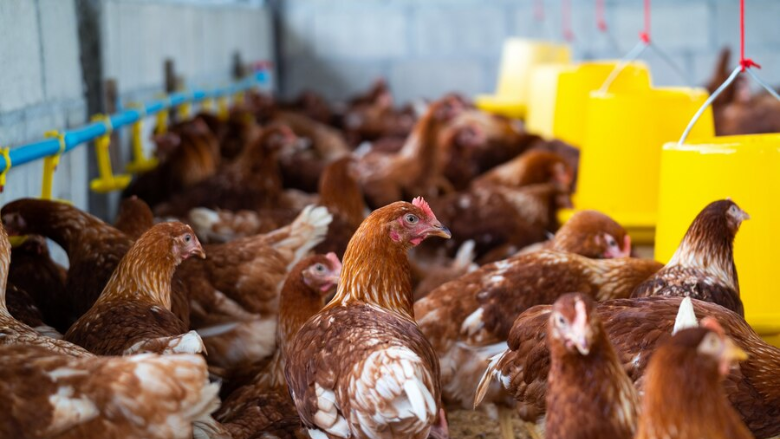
(747, 169)
(559, 95)
(619, 164)
(518, 58)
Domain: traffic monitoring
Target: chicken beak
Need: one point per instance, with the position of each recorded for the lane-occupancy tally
(732, 354)
(582, 345)
(198, 251)
(743, 215)
(437, 229)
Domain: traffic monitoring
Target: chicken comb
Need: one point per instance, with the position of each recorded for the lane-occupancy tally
(422, 204)
(334, 260)
(712, 324)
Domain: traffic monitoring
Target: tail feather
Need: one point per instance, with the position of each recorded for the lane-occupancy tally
(487, 378)
(308, 230)
(202, 221)
(465, 256)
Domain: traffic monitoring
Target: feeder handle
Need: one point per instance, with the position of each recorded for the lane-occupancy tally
(717, 93)
(745, 65)
(630, 57)
(6, 154)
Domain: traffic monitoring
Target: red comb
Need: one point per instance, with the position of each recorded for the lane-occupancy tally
(334, 259)
(712, 324)
(422, 204)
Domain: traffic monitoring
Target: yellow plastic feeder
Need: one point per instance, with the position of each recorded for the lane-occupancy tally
(747, 169)
(619, 164)
(559, 95)
(518, 59)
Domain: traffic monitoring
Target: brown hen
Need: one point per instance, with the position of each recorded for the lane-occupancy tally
(94, 250)
(133, 313)
(683, 396)
(234, 292)
(386, 178)
(256, 406)
(703, 265)
(636, 327)
(360, 367)
(55, 396)
(481, 307)
(33, 271)
(589, 394)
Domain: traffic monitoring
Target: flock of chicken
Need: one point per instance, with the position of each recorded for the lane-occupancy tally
(317, 307)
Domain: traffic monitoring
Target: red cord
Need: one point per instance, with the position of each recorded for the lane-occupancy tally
(568, 34)
(601, 22)
(744, 62)
(539, 10)
(645, 34)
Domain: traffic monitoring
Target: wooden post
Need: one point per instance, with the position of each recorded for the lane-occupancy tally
(170, 85)
(239, 68)
(111, 105)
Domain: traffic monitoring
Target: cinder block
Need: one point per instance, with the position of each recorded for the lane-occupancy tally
(62, 68)
(431, 79)
(21, 83)
(336, 81)
(370, 33)
(476, 30)
(674, 26)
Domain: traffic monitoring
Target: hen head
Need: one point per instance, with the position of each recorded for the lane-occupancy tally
(411, 223)
(470, 135)
(33, 245)
(595, 235)
(180, 238)
(720, 217)
(573, 324)
(19, 215)
(706, 349)
(278, 137)
(322, 272)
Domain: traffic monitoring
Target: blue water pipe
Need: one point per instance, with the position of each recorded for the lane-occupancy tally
(75, 137)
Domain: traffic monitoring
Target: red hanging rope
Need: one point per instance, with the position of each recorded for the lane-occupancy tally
(539, 10)
(568, 34)
(645, 34)
(601, 21)
(744, 62)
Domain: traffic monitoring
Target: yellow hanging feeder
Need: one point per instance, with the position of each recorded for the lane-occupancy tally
(747, 169)
(107, 181)
(619, 164)
(223, 109)
(162, 119)
(559, 95)
(518, 58)
(6, 154)
(140, 163)
(50, 164)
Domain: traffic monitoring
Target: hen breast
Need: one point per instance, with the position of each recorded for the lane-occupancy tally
(358, 371)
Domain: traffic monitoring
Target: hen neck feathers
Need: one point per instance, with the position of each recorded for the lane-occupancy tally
(376, 271)
(143, 274)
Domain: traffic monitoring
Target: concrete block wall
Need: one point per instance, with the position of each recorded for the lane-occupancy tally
(427, 48)
(40, 90)
(42, 82)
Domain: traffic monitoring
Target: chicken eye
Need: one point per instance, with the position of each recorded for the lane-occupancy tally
(560, 321)
(611, 241)
(319, 268)
(187, 238)
(411, 219)
(733, 209)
